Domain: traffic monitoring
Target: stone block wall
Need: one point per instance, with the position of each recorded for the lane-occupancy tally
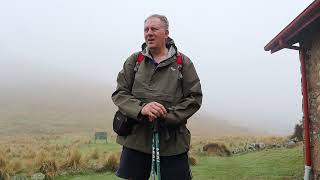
(312, 61)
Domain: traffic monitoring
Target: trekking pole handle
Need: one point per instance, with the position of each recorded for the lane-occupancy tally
(156, 125)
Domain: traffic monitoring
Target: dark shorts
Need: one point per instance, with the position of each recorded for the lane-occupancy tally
(137, 165)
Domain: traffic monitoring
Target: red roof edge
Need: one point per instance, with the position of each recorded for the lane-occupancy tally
(307, 16)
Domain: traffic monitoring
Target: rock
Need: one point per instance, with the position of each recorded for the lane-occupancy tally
(38, 176)
(18, 178)
(279, 145)
(262, 145)
(291, 144)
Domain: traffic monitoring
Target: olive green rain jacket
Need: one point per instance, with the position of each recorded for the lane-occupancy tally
(162, 83)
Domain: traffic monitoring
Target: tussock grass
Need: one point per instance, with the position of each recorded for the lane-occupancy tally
(94, 154)
(73, 160)
(49, 168)
(216, 149)
(3, 161)
(28, 154)
(8, 167)
(4, 172)
(14, 167)
(41, 158)
(193, 160)
(111, 163)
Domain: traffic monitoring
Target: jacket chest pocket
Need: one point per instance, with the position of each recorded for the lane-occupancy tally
(163, 84)
(167, 80)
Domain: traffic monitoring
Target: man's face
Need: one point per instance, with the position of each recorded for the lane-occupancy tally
(155, 34)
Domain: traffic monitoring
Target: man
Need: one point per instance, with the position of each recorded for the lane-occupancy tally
(157, 89)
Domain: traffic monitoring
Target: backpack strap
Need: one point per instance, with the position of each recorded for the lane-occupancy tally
(179, 63)
(139, 59)
(179, 59)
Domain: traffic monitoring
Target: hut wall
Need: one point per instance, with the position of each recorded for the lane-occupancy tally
(312, 58)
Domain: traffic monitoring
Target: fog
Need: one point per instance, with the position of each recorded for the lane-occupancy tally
(91, 39)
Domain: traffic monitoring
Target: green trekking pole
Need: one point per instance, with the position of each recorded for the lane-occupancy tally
(155, 152)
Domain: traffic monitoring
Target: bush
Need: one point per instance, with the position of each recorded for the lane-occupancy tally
(217, 149)
(298, 132)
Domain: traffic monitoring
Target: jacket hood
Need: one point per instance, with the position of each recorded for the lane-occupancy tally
(169, 43)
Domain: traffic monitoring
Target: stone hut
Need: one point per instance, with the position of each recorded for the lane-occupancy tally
(303, 34)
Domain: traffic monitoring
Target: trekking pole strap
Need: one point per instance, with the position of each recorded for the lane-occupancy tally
(158, 155)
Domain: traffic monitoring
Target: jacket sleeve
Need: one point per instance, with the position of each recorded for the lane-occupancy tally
(123, 97)
(192, 96)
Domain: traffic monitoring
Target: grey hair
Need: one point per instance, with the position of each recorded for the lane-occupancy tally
(162, 18)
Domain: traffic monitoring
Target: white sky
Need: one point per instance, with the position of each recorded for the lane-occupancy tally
(225, 39)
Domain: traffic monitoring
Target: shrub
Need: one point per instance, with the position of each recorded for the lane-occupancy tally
(217, 149)
(298, 132)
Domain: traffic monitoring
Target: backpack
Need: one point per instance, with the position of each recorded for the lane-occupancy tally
(122, 124)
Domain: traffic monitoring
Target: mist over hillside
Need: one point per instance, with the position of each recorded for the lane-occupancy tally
(36, 99)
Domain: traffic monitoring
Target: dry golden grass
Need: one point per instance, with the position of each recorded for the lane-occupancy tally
(193, 160)
(49, 168)
(14, 167)
(4, 173)
(73, 160)
(94, 154)
(41, 157)
(3, 161)
(218, 149)
(9, 167)
(109, 163)
(28, 154)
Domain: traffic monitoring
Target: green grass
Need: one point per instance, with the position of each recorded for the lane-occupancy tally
(271, 164)
(91, 176)
(101, 146)
(264, 165)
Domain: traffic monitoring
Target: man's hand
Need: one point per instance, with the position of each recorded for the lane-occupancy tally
(153, 110)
